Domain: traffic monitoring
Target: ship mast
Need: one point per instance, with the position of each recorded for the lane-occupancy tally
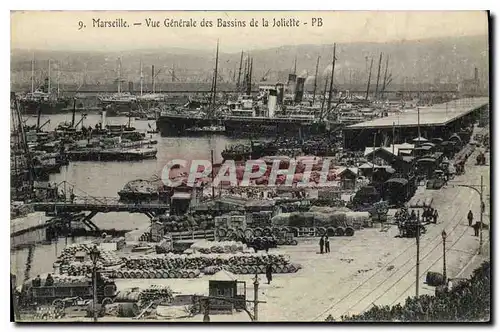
(33, 74)
(216, 74)
(48, 89)
(58, 78)
(142, 79)
(369, 79)
(119, 75)
(315, 80)
(382, 91)
(239, 73)
(331, 77)
(378, 75)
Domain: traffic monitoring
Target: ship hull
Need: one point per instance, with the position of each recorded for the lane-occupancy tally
(178, 126)
(31, 107)
(265, 127)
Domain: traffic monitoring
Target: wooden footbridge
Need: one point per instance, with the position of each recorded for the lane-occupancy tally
(67, 204)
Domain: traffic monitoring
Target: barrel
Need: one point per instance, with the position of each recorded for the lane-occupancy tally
(126, 275)
(248, 232)
(221, 232)
(330, 231)
(268, 231)
(132, 274)
(349, 231)
(171, 274)
(151, 274)
(294, 242)
(159, 274)
(434, 279)
(321, 231)
(339, 231)
(257, 232)
(128, 310)
(243, 270)
(119, 275)
(184, 274)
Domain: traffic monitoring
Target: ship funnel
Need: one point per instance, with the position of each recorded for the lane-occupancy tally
(299, 89)
(103, 118)
(280, 89)
(272, 101)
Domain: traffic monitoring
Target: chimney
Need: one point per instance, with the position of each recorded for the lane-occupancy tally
(271, 102)
(476, 75)
(299, 89)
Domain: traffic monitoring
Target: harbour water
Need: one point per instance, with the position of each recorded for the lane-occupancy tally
(107, 178)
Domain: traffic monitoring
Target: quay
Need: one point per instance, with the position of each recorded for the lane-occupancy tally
(441, 120)
(111, 154)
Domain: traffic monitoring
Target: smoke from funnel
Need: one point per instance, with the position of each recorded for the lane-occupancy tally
(309, 79)
(303, 74)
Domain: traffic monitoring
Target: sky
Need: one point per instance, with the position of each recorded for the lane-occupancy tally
(59, 30)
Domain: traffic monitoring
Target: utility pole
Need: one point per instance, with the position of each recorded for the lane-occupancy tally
(331, 78)
(369, 80)
(315, 81)
(378, 75)
(418, 255)
(33, 74)
(256, 298)
(373, 154)
(212, 172)
(295, 66)
(393, 135)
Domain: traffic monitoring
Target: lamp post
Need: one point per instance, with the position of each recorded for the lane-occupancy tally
(481, 209)
(443, 235)
(256, 298)
(94, 256)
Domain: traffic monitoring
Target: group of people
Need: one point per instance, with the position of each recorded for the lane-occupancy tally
(324, 244)
(37, 282)
(430, 215)
(477, 225)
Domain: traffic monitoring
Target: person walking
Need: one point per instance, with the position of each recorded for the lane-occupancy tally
(269, 273)
(470, 217)
(327, 244)
(435, 216)
(476, 226)
(321, 244)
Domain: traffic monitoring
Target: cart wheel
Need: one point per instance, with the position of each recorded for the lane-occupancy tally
(58, 303)
(106, 301)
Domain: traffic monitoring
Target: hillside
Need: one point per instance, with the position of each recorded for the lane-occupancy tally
(426, 61)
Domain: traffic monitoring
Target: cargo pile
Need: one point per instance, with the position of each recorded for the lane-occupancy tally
(334, 223)
(219, 247)
(156, 293)
(189, 266)
(187, 222)
(157, 274)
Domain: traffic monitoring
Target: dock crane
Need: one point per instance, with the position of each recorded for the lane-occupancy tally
(264, 77)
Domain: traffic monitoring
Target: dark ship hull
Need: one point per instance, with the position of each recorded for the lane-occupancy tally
(31, 107)
(171, 125)
(271, 127)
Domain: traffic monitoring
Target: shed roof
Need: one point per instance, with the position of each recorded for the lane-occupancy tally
(223, 275)
(437, 115)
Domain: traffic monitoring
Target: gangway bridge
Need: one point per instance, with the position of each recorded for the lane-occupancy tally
(68, 205)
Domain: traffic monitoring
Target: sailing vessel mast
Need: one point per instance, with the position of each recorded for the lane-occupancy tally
(216, 73)
(315, 81)
(142, 79)
(369, 80)
(331, 78)
(378, 76)
(382, 91)
(239, 73)
(33, 74)
(48, 88)
(119, 75)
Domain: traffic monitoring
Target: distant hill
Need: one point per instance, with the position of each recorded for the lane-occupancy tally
(446, 60)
